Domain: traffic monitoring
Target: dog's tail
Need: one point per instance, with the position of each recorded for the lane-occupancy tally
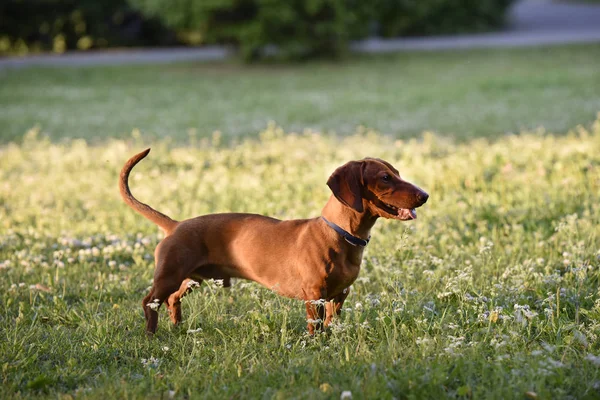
(165, 223)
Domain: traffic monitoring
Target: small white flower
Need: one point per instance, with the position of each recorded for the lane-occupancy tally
(581, 338)
(192, 284)
(346, 395)
(320, 302)
(154, 305)
(422, 340)
(151, 362)
(313, 321)
(548, 347)
(194, 330)
(165, 348)
(593, 359)
(554, 363)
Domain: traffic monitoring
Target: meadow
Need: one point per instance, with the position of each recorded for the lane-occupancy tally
(492, 293)
(464, 94)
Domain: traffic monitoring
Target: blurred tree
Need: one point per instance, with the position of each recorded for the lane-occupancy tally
(59, 25)
(306, 28)
(296, 29)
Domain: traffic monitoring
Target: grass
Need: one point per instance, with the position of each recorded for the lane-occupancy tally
(462, 94)
(491, 293)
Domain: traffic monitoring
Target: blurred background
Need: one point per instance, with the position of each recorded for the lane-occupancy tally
(298, 28)
(188, 68)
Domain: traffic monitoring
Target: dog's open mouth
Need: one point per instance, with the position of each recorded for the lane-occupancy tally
(403, 214)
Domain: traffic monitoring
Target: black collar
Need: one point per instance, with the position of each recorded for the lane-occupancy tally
(353, 240)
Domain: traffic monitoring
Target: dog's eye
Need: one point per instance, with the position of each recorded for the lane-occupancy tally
(386, 178)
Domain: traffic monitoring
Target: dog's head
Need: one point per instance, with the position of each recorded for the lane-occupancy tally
(375, 186)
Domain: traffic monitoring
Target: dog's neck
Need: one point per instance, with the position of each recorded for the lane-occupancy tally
(356, 223)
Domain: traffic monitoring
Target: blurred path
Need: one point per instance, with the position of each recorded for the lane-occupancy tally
(531, 23)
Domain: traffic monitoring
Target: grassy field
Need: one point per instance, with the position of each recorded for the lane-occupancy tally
(491, 293)
(463, 94)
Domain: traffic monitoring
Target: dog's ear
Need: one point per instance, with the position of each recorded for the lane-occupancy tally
(347, 183)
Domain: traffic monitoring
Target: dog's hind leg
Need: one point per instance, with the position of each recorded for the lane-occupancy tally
(164, 285)
(174, 300)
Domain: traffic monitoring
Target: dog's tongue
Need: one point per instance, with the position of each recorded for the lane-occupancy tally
(405, 213)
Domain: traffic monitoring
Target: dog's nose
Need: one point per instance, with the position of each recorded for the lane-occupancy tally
(422, 197)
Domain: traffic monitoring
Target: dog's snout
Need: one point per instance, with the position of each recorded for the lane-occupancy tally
(422, 197)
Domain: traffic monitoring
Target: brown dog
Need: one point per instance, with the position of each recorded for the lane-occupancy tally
(315, 260)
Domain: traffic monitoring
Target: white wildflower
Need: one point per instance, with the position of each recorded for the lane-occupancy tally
(593, 359)
(548, 347)
(554, 363)
(154, 305)
(192, 284)
(151, 362)
(422, 340)
(580, 338)
(346, 395)
(375, 302)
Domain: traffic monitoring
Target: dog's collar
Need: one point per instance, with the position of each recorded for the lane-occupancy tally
(353, 240)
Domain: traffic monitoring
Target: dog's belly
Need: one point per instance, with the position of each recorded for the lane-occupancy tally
(215, 271)
(284, 287)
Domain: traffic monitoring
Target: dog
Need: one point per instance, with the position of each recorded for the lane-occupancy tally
(315, 260)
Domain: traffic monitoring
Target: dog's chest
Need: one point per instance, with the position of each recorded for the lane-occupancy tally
(341, 277)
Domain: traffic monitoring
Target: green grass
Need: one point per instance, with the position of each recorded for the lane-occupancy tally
(463, 94)
(491, 293)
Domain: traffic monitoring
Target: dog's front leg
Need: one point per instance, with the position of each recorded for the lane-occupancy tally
(334, 306)
(315, 309)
